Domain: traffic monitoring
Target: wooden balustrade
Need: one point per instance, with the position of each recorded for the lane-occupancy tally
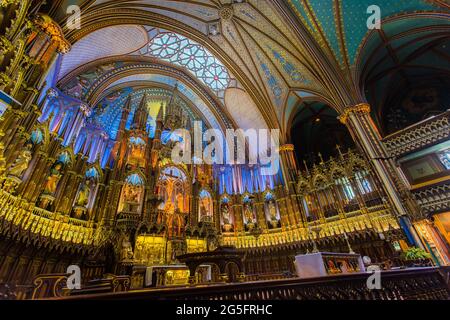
(50, 286)
(409, 284)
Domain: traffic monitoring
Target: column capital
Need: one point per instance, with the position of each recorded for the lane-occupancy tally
(362, 108)
(86, 109)
(46, 24)
(52, 93)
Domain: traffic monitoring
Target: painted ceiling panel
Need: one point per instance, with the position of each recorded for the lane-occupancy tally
(244, 110)
(391, 28)
(354, 17)
(196, 14)
(110, 41)
(251, 34)
(324, 10)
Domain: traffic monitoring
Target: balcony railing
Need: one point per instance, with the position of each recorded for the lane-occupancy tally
(42, 223)
(419, 135)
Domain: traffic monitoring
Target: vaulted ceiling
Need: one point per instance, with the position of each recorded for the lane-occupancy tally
(272, 54)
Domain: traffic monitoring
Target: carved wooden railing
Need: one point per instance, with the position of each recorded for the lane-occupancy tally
(50, 286)
(128, 219)
(434, 199)
(420, 135)
(110, 284)
(15, 292)
(410, 284)
(267, 277)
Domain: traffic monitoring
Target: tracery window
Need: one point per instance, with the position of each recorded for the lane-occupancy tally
(363, 182)
(135, 180)
(37, 137)
(184, 52)
(344, 182)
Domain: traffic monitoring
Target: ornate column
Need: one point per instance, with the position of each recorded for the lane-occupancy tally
(260, 213)
(34, 48)
(69, 186)
(366, 135)
(288, 166)
(237, 211)
(284, 214)
(290, 175)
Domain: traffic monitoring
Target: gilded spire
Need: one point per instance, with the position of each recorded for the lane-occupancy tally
(127, 106)
(141, 115)
(160, 116)
(125, 114)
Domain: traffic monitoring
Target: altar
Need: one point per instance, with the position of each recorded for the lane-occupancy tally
(323, 264)
(168, 275)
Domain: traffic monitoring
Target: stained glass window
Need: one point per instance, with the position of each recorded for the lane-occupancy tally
(364, 183)
(64, 157)
(184, 52)
(347, 188)
(37, 137)
(137, 141)
(135, 180)
(92, 173)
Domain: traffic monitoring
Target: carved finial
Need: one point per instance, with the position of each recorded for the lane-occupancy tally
(160, 116)
(338, 148)
(306, 167)
(73, 141)
(321, 158)
(128, 104)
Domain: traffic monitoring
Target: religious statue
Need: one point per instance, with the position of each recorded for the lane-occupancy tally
(170, 187)
(203, 210)
(131, 194)
(139, 252)
(53, 179)
(180, 202)
(22, 161)
(226, 214)
(248, 213)
(178, 249)
(273, 211)
(83, 195)
(127, 251)
(169, 206)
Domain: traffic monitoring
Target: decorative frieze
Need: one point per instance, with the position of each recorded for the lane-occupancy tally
(419, 136)
(435, 199)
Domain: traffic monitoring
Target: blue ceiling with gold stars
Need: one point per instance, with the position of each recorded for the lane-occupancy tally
(341, 26)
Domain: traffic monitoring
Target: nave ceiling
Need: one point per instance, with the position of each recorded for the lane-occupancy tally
(279, 52)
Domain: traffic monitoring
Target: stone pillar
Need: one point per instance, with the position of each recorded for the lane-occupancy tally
(366, 135)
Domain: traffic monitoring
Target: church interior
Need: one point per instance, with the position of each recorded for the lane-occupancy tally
(93, 94)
